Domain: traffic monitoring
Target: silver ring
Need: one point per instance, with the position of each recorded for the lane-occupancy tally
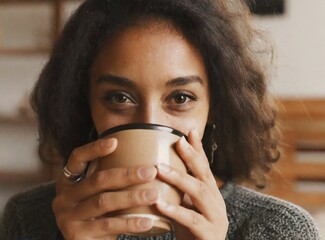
(71, 176)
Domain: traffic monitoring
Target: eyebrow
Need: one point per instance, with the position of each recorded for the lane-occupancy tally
(108, 78)
(179, 81)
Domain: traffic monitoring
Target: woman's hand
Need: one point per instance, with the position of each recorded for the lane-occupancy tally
(80, 207)
(202, 214)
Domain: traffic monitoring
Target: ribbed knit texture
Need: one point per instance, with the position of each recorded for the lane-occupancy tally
(251, 215)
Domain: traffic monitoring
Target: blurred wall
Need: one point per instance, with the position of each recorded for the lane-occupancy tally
(28, 26)
(299, 38)
(298, 35)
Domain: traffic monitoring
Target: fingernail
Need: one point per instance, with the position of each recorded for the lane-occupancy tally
(184, 143)
(162, 203)
(163, 167)
(108, 142)
(145, 223)
(150, 195)
(146, 172)
(166, 206)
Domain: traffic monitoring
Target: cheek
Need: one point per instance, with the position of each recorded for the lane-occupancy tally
(106, 121)
(101, 122)
(187, 125)
(100, 118)
(197, 120)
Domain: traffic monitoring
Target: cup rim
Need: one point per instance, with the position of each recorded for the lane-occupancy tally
(147, 126)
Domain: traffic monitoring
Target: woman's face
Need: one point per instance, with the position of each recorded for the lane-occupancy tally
(149, 75)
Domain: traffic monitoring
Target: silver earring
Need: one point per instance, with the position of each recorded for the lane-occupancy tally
(214, 145)
(213, 149)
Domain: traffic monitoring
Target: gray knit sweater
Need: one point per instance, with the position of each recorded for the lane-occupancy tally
(251, 215)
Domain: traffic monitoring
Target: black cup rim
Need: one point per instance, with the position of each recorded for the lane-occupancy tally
(149, 126)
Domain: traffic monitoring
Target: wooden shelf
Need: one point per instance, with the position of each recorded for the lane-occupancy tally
(302, 109)
(14, 178)
(35, 1)
(17, 120)
(57, 23)
(26, 51)
(303, 131)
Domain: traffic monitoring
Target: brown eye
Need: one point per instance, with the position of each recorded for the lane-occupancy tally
(118, 98)
(180, 99)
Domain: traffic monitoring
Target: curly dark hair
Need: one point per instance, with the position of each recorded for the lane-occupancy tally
(246, 131)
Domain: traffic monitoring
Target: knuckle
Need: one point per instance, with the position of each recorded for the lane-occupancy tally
(71, 231)
(71, 234)
(98, 179)
(203, 189)
(195, 218)
(181, 177)
(61, 220)
(129, 174)
(106, 224)
(57, 203)
(131, 224)
(101, 201)
(133, 196)
(75, 236)
(178, 211)
(207, 173)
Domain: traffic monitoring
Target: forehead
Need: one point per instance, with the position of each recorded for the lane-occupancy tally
(151, 49)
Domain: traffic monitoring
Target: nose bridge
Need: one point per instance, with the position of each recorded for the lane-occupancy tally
(151, 113)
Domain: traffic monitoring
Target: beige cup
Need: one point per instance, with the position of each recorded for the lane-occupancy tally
(145, 144)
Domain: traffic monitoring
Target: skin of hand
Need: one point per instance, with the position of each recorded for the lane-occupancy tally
(198, 217)
(79, 207)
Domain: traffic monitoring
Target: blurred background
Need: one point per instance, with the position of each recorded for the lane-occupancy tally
(297, 29)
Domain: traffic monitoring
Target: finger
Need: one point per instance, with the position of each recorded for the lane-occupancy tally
(193, 187)
(111, 179)
(192, 154)
(191, 219)
(112, 201)
(105, 227)
(195, 141)
(196, 162)
(80, 156)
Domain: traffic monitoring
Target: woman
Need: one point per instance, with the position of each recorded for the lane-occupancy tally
(186, 64)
